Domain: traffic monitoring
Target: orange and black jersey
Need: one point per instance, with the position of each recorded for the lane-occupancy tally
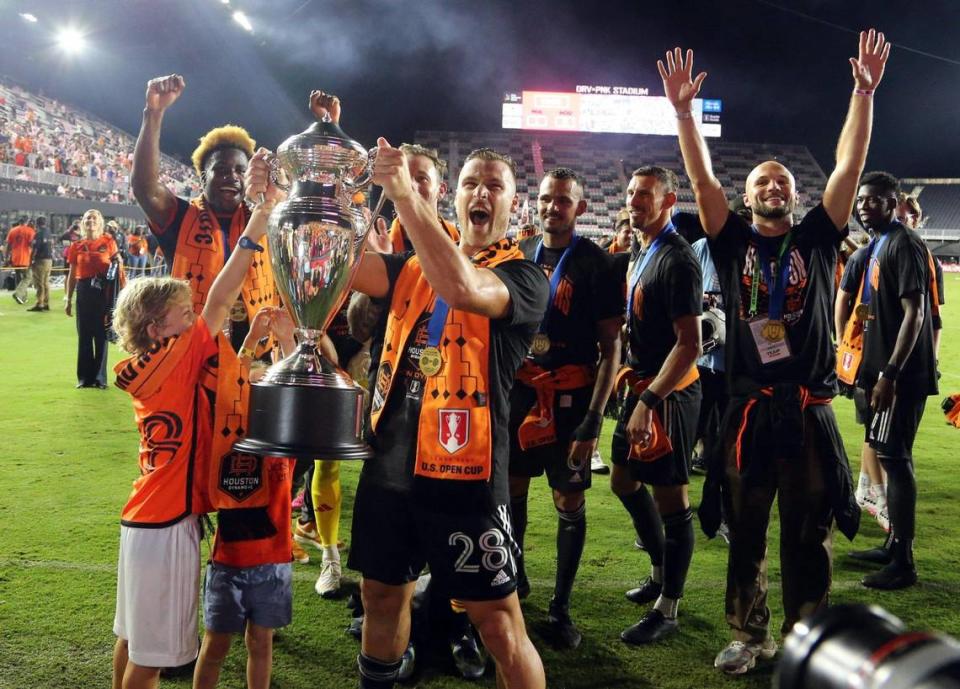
(901, 266)
(811, 260)
(588, 292)
(91, 257)
(670, 287)
(395, 441)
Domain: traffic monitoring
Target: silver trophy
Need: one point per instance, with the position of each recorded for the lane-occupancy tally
(305, 405)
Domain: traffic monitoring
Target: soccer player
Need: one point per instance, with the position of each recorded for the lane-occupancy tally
(655, 433)
(557, 402)
(899, 365)
(462, 318)
(178, 363)
(197, 236)
(19, 251)
(777, 279)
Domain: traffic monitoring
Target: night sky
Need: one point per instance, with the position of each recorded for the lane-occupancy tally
(780, 67)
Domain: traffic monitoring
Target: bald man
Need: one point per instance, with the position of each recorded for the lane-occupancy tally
(780, 432)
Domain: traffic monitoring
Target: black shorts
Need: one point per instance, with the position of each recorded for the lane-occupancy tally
(679, 413)
(892, 432)
(569, 408)
(472, 553)
(861, 406)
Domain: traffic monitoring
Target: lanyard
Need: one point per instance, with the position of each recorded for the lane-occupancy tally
(776, 281)
(642, 263)
(866, 292)
(556, 276)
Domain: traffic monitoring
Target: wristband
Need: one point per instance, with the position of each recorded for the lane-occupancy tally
(863, 92)
(685, 115)
(247, 243)
(589, 428)
(247, 352)
(890, 372)
(650, 398)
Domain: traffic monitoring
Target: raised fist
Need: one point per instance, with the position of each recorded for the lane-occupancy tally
(163, 91)
(325, 104)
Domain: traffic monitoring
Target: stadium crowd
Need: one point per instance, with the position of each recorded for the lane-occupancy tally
(713, 333)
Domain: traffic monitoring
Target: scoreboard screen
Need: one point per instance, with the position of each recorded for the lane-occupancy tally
(603, 109)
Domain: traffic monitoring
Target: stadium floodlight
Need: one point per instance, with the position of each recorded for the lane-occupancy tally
(241, 19)
(225, 2)
(71, 40)
(27, 17)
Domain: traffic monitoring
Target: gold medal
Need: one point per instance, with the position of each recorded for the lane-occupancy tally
(774, 331)
(430, 361)
(540, 345)
(862, 312)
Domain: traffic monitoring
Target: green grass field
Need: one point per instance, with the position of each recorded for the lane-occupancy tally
(71, 457)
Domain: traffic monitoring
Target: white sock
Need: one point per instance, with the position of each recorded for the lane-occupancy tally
(331, 553)
(667, 606)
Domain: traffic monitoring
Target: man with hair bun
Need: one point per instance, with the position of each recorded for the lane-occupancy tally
(197, 236)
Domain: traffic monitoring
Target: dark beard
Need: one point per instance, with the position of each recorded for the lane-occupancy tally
(770, 213)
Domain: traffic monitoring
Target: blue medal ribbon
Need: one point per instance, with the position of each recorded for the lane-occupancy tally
(556, 276)
(437, 320)
(641, 264)
(776, 284)
(866, 292)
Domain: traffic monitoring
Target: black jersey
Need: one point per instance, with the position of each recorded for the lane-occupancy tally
(588, 292)
(670, 286)
(899, 267)
(811, 259)
(395, 442)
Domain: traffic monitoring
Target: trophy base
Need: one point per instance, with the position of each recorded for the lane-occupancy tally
(305, 421)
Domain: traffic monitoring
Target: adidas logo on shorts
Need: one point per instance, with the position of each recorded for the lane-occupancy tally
(500, 579)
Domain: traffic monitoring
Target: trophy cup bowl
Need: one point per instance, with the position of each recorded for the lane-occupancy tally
(305, 405)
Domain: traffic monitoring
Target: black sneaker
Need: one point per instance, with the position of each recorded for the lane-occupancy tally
(20, 300)
(892, 577)
(408, 663)
(467, 656)
(36, 307)
(877, 556)
(652, 627)
(698, 465)
(562, 631)
(638, 544)
(355, 628)
(646, 592)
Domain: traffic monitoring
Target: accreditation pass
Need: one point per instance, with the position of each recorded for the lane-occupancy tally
(769, 350)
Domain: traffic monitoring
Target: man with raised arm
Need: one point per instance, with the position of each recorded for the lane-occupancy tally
(779, 430)
(462, 318)
(197, 236)
(556, 407)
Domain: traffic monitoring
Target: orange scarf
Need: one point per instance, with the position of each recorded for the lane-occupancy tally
(850, 347)
(454, 438)
(200, 256)
(398, 236)
(659, 444)
(539, 426)
(228, 484)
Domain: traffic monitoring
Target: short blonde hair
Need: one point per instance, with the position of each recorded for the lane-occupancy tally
(227, 136)
(142, 302)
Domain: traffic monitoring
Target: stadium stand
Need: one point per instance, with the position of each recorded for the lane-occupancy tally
(47, 147)
(605, 160)
(940, 200)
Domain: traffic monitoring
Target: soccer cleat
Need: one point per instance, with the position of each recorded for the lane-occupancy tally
(723, 531)
(652, 627)
(408, 663)
(299, 554)
(878, 556)
(561, 629)
(20, 300)
(738, 657)
(863, 486)
(698, 465)
(646, 592)
(467, 656)
(892, 577)
(597, 465)
(355, 628)
(306, 534)
(328, 583)
(638, 544)
(883, 518)
(36, 307)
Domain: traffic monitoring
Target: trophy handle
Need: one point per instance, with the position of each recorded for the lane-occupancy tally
(366, 177)
(275, 172)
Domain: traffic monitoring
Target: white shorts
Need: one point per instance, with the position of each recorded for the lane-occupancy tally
(158, 593)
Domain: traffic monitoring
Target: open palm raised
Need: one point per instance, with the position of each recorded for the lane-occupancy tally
(678, 85)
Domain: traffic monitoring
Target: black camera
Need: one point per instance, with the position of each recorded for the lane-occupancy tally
(865, 647)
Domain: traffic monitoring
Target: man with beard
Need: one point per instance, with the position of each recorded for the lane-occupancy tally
(556, 407)
(655, 431)
(196, 236)
(777, 280)
(898, 371)
(462, 319)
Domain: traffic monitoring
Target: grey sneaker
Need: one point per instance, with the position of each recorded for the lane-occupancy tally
(597, 465)
(738, 657)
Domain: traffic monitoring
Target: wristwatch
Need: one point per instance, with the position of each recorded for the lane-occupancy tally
(247, 243)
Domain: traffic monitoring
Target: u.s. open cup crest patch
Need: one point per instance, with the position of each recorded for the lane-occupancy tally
(454, 429)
